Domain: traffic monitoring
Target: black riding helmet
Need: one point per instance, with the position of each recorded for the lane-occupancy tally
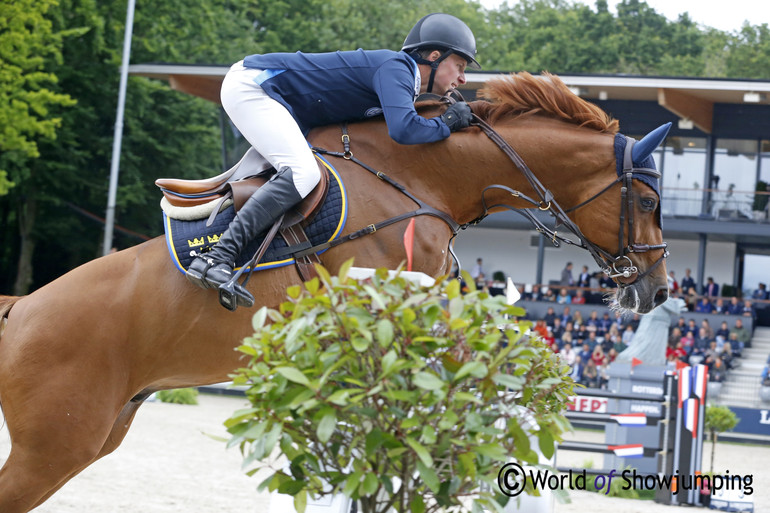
(444, 32)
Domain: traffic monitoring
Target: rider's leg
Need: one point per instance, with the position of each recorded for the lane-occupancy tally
(273, 133)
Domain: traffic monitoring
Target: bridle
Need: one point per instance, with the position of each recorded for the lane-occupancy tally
(614, 266)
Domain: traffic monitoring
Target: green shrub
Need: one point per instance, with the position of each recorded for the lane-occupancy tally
(178, 396)
(398, 396)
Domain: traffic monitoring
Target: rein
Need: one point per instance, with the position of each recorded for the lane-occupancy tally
(606, 261)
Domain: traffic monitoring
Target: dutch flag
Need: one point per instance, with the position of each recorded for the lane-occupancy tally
(627, 451)
(630, 419)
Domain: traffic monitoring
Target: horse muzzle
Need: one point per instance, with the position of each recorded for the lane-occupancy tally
(641, 296)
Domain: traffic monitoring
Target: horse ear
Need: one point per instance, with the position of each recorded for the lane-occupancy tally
(649, 142)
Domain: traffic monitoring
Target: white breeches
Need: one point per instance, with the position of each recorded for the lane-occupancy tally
(268, 127)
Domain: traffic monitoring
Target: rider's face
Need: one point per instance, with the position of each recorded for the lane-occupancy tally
(449, 75)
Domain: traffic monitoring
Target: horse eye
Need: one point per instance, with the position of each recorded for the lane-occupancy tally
(648, 203)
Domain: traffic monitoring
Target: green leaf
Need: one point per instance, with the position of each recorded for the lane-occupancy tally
(326, 426)
(371, 483)
(384, 332)
(494, 451)
(428, 381)
(294, 291)
(421, 452)
(360, 344)
(294, 375)
(258, 320)
(476, 369)
(300, 501)
(352, 482)
(545, 442)
(429, 477)
(417, 505)
(340, 397)
(344, 269)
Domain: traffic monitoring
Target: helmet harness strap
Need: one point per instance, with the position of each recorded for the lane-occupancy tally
(433, 65)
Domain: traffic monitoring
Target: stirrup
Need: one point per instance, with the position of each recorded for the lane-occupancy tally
(231, 297)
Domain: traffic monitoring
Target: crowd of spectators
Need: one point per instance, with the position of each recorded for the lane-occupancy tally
(590, 345)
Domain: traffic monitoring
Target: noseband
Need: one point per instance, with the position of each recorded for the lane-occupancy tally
(614, 266)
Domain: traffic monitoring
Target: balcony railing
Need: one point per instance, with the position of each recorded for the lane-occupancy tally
(721, 205)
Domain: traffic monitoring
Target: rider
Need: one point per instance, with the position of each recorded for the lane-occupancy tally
(275, 99)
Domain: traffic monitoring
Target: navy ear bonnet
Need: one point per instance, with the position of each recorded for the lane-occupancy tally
(638, 158)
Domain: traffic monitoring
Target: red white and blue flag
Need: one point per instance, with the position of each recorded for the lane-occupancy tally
(691, 414)
(627, 451)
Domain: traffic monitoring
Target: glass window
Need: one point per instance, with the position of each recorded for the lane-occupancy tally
(683, 165)
(735, 175)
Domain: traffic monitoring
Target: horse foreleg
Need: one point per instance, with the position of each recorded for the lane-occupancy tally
(114, 439)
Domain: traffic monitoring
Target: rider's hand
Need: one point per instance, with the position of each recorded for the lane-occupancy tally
(457, 116)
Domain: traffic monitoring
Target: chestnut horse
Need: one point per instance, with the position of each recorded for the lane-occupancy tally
(79, 355)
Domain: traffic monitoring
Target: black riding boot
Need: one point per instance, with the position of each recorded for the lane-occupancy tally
(258, 214)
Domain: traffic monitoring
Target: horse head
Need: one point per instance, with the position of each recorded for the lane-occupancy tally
(599, 184)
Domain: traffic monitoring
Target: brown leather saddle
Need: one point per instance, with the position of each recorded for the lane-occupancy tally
(232, 184)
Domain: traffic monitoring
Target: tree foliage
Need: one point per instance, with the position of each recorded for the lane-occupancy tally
(28, 107)
(398, 396)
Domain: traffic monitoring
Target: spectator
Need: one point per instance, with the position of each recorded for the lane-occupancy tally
(677, 352)
(675, 337)
(741, 333)
(688, 342)
(727, 356)
(592, 323)
(719, 306)
(760, 293)
(478, 269)
(717, 372)
(566, 317)
(585, 353)
(696, 356)
(606, 282)
(735, 307)
(604, 374)
(592, 340)
(497, 285)
(579, 298)
(691, 328)
(703, 340)
(735, 344)
(577, 370)
(628, 335)
(711, 354)
(612, 354)
(673, 286)
(566, 338)
(597, 355)
(604, 325)
(691, 298)
(563, 298)
(687, 282)
(711, 289)
(704, 306)
(590, 376)
(548, 295)
(577, 319)
(568, 354)
(549, 317)
(557, 331)
(541, 329)
(748, 309)
(634, 322)
(584, 279)
(705, 325)
(681, 324)
(566, 276)
(723, 332)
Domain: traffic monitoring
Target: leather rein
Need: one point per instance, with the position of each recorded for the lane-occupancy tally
(611, 265)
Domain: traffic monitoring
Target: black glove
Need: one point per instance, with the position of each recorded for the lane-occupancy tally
(457, 116)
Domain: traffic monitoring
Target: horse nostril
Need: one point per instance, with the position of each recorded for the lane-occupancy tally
(661, 296)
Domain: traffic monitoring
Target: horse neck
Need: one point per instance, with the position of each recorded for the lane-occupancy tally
(451, 175)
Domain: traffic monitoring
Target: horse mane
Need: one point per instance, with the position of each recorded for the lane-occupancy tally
(521, 94)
